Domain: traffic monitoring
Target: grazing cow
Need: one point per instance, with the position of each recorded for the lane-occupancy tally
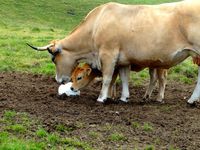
(83, 75)
(113, 35)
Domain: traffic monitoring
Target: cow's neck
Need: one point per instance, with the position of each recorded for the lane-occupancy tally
(80, 44)
(95, 73)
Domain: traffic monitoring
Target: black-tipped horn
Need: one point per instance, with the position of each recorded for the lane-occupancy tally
(32, 46)
(40, 48)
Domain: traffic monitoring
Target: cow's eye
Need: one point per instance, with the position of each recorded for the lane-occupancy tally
(79, 78)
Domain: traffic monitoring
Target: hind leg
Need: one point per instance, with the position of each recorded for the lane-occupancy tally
(162, 78)
(152, 83)
(112, 88)
(124, 75)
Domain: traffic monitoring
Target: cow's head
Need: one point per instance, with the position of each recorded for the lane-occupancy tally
(81, 77)
(63, 60)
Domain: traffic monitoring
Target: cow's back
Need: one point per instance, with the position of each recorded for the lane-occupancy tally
(146, 33)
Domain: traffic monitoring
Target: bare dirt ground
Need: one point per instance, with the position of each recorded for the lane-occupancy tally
(172, 124)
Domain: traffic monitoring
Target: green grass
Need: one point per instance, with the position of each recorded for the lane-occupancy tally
(94, 134)
(17, 128)
(41, 132)
(147, 127)
(9, 142)
(61, 128)
(8, 115)
(135, 125)
(117, 137)
(149, 147)
(17, 134)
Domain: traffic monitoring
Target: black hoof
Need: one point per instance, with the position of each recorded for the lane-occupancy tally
(194, 104)
(159, 102)
(62, 96)
(122, 102)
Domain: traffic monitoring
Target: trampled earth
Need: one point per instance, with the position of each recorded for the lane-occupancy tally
(172, 124)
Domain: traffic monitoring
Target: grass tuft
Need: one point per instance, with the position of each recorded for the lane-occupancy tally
(41, 133)
(76, 143)
(147, 127)
(61, 128)
(18, 128)
(8, 115)
(149, 147)
(117, 137)
(135, 125)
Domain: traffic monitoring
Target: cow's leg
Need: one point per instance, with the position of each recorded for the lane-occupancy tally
(112, 87)
(162, 78)
(124, 75)
(108, 60)
(152, 82)
(196, 93)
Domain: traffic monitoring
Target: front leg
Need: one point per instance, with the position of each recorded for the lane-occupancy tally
(196, 94)
(108, 60)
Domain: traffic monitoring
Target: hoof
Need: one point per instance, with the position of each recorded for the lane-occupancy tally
(146, 98)
(62, 96)
(193, 101)
(160, 101)
(193, 104)
(102, 101)
(124, 99)
(123, 102)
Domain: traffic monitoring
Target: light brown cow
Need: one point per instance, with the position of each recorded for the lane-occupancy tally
(83, 75)
(113, 35)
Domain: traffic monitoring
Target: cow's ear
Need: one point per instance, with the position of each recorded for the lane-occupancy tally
(85, 65)
(89, 70)
(53, 42)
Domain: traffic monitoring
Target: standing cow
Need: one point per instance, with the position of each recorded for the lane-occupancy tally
(113, 34)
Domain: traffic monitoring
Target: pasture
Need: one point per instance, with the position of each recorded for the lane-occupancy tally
(33, 117)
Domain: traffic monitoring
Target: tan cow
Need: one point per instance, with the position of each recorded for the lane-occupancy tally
(113, 35)
(83, 75)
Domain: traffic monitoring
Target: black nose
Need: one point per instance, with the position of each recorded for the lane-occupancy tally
(63, 82)
(72, 88)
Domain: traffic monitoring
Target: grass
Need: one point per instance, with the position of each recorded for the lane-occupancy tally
(8, 115)
(94, 134)
(61, 128)
(20, 131)
(9, 142)
(41, 133)
(17, 135)
(147, 127)
(135, 125)
(117, 137)
(149, 147)
(17, 128)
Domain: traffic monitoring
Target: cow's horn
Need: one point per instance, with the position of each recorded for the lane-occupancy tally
(40, 48)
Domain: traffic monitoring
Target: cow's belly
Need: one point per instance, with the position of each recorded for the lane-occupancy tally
(158, 61)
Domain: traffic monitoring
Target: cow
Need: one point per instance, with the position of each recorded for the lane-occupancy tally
(84, 74)
(117, 35)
